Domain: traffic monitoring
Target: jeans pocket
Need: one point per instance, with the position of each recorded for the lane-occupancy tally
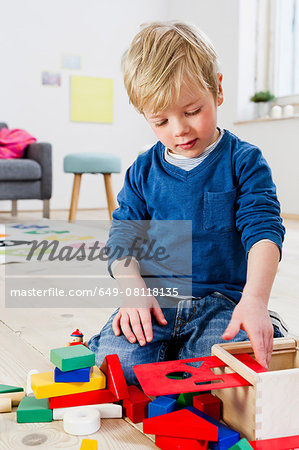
(219, 211)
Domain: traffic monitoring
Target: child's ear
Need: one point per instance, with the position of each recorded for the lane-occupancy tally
(220, 90)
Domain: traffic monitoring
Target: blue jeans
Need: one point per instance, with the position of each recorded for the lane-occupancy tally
(193, 327)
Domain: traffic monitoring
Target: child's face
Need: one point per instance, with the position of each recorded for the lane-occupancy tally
(189, 126)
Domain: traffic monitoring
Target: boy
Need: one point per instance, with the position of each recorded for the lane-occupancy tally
(197, 172)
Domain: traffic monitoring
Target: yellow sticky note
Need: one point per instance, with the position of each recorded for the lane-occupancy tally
(44, 386)
(91, 99)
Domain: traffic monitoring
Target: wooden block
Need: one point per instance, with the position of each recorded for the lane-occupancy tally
(161, 405)
(72, 358)
(226, 436)
(44, 386)
(5, 405)
(116, 382)
(172, 443)
(107, 411)
(182, 424)
(89, 444)
(136, 405)
(81, 399)
(16, 397)
(208, 404)
(32, 410)
(73, 376)
(4, 388)
(283, 443)
(243, 444)
(186, 399)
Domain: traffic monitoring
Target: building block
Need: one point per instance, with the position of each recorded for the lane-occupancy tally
(89, 444)
(81, 399)
(181, 424)
(208, 404)
(32, 410)
(136, 405)
(29, 390)
(72, 376)
(172, 443)
(154, 377)
(161, 405)
(116, 382)
(4, 388)
(283, 443)
(243, 444)
(5, 405)
(107, 411)
(15, 397)
(226, 436)
(44, 386)
(186, 399)
(72, 358)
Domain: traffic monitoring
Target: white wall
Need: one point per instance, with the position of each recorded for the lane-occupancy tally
(36, 33)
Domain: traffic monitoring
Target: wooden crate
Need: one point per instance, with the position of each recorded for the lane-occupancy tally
(270, 407)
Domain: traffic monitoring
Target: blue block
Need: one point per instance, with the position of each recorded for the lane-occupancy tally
(226, 436)
(161, 405)
(72, 376)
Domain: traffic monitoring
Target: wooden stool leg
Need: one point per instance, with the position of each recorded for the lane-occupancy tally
(75, 197)
(109, 194)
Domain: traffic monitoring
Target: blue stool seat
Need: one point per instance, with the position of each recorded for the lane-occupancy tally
(80, 163)
(92, 163)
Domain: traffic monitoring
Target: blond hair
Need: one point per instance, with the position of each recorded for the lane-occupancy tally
(161, 57)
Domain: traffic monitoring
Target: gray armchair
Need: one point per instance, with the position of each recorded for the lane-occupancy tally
(29, 177)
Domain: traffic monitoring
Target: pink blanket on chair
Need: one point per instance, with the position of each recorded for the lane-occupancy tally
(13, 143)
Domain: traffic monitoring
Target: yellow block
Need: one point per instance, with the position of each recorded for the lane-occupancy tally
(89, 444)
(44, 386)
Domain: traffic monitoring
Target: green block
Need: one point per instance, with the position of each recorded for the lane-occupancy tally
(186, 399)
(32, 410)
(243, 444)
(4, 388)
(72, 358)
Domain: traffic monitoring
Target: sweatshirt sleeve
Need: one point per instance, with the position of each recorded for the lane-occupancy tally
(130, 220)
(257, 206)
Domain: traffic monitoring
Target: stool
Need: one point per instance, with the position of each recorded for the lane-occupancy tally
(79, 163)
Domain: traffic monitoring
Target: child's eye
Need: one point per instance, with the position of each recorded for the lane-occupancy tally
(193, 113)
(160, 124)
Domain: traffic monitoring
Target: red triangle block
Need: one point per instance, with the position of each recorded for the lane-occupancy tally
(182, 424)
(172, 443)
(115, 379)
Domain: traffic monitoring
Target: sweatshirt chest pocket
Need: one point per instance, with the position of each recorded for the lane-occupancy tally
(219, 211)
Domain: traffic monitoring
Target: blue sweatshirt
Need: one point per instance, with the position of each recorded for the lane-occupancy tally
(220, 209)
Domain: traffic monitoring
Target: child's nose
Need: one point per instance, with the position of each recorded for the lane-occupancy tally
(181, 128)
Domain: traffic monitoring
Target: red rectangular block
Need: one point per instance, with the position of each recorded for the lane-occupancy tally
(115, 379)
(136, 405)
(83, 398)
(182, 424)
(171, 443)
(208, 404)
(283, 443)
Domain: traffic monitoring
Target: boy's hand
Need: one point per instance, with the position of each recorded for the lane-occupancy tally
(251, 315)
(136, 323)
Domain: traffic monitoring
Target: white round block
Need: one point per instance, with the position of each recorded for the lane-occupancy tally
(288, 111)
(82, 421)
(29, 390)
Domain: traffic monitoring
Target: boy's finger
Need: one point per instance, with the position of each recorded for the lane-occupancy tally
(232, 330)
(159, 316)
(259, 351)
(126, 328)
(137, 328)
(146, 320)
(115, 324)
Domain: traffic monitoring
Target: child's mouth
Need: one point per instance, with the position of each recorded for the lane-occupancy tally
(188, 145)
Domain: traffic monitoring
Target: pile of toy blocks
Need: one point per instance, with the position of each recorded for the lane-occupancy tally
(76, 381)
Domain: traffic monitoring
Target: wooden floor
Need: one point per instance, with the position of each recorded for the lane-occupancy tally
(27, 335)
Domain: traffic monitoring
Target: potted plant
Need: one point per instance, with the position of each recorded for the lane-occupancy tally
(263, 100)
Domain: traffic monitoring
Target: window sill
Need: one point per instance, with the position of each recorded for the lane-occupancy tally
(265, 119)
